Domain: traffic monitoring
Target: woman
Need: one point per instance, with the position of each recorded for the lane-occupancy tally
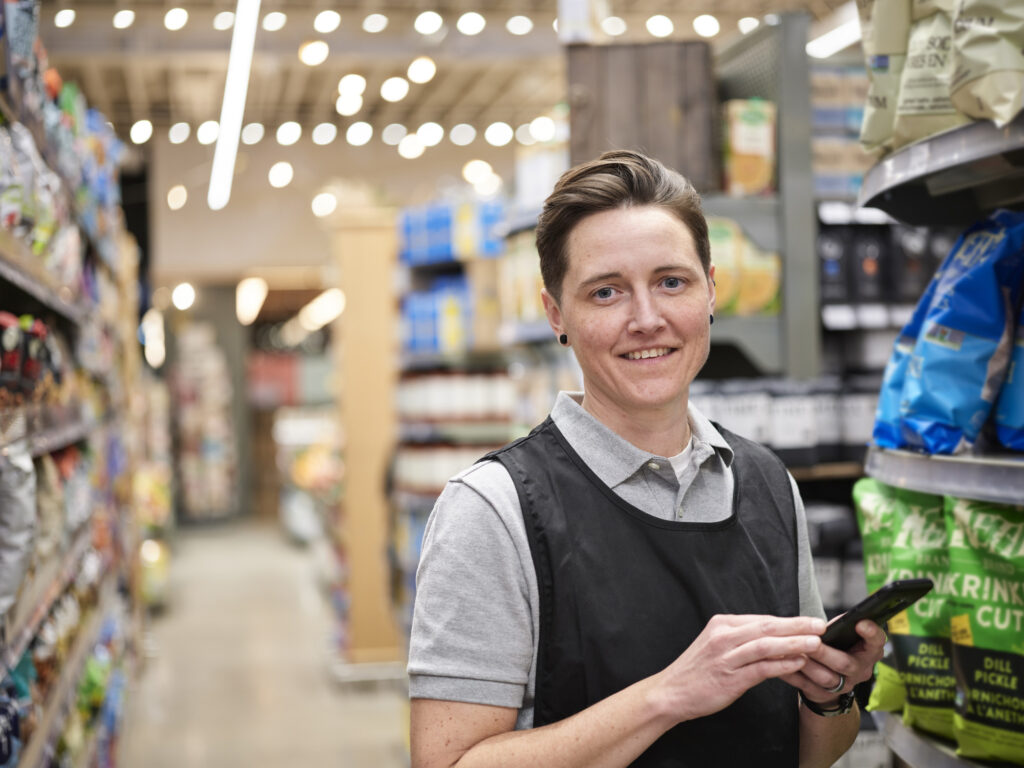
(630, 584)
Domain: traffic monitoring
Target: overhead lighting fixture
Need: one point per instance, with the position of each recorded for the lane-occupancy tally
(476, 171)
(519, 25)
(141, 132)
(183, 296)
(348, 104)
(498, 134)
(324, 309)
(375, 23)
(175, 19)
(748, 24)
(422, 70)
(613, 26)
(393, 134)
(281, 174)
(471, 23)
(207, 132)
(354, 84)
(428, 22)
(394, 89)
(324, 204)
(124, 18)
(706, 25)
(430, 134)
(236, 86)
(223, 21)
(489, 186)
(326, 22)
(288, 133)
(462, 134)
(177, 196)
(834, 41)
(252, 133)
(152, 327)
(313, 53)
(274, 21)
(178, 133)
(660, 26)
(324, 134)
(542, 128)
(359, 134)
(523, 135)
(411, 146)
(250, 294)
(64, 18)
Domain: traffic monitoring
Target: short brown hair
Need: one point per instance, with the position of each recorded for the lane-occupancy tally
(617, 179)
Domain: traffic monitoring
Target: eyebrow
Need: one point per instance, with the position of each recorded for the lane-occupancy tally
(657, 271)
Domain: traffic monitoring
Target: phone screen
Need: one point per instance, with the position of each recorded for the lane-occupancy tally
(879, 606)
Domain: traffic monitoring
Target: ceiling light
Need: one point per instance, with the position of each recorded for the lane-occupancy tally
(314, 53)
(252, 133)
(660, 26)
(207, 132)
(523, 135)
(324, 134)
(471, 23)
(394, 89)
(462, 134)
(324, 309)
(249, 297)
(348, 104)
(141, 132)
(748, 24)
(324, 204)
(124, 18)
(554, 25)
(706, 25)
(359, 134)
(422, 70)
(223, 21)
(274, 21)
(488, 186)
(476, 171)
(177, 196)
(288, 133)
(613, 26)
(519, 25)
(411, 146)
(374, 23)
(175, 19)
(835, 40)
(64, 18)
(430, 134)
(179, 133)
(393, 134)
(498, 134)
(183, 296)
(354, 84)
(281, 174)
(326, 22)
(428, 22)
(542, 128)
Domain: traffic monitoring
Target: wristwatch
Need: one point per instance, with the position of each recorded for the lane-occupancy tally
(844, 705)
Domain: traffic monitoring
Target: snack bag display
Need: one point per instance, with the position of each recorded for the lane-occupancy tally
(749, 146)
(760, 280)
(986, 549)
(727, 243)
(963, 351)
(1010, 405)
(17, 519)
(988, 58)
(885, 32)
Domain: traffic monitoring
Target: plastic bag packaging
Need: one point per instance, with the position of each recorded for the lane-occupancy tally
(988, 59)
(885, 32)
(50, 507)
(17, 519)
(1010, 405)
(963, 352)
(987, 625)
(924, 107)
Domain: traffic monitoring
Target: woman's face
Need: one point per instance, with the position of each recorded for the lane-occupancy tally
(635, 305)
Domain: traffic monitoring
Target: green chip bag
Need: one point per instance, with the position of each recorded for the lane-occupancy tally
(986, 544)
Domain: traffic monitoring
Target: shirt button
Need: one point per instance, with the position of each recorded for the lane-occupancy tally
(654, 466)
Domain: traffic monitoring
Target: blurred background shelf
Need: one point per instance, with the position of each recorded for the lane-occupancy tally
(918, 750)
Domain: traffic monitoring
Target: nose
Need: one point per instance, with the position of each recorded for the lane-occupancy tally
(647, 317)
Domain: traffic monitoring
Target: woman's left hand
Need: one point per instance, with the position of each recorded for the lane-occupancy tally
(820, 676)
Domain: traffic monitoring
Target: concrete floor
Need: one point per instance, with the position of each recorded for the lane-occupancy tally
(237, 672)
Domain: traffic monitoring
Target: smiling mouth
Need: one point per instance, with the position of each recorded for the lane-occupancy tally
(646, 354)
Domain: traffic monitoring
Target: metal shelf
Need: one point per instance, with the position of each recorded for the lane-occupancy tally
(45, 429)
(999, 479)
(916, 749)
(492, 432)
(467, 359)
(953, 178)
(758, 216)
(18, 268)
(760, 338)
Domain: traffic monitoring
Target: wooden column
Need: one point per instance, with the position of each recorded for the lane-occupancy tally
(364, 247)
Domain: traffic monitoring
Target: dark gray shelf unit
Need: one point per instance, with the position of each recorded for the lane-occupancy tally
(998, 479)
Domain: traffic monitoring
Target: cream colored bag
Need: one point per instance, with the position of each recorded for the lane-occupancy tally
(885, 28)
(988, 57)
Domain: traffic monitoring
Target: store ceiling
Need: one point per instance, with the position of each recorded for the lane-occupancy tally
(147, 71)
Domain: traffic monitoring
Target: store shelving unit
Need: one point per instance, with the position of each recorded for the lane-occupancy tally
(999, 479)
(913, 749)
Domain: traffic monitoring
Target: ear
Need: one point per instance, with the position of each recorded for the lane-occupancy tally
(553, 311)
(711, 289)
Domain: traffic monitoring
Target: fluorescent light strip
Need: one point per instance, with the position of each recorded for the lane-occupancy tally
(243, 40)
(834, 41)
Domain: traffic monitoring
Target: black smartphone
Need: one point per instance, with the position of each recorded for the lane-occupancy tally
(879, 606)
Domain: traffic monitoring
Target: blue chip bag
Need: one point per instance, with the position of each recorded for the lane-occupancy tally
(1010, 405)
(962, 354)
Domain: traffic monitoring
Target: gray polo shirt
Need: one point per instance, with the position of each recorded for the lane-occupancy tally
(476, 616)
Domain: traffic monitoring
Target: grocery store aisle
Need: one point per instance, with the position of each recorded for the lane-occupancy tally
(238, 670)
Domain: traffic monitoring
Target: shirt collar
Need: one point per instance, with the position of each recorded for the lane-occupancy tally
(611, 457)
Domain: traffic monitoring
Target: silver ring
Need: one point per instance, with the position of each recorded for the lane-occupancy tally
(838, 686)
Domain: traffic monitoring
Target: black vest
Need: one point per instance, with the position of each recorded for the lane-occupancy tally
(623, 594)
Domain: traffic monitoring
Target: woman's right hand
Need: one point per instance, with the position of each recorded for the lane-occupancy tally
(730, 656)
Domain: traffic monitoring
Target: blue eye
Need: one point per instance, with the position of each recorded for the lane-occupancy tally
(603, 293)
(672, 282)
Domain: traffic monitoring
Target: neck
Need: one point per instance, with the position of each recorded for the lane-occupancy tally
(663, 431)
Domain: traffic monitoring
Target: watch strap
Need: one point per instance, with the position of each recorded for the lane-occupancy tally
(844, 705)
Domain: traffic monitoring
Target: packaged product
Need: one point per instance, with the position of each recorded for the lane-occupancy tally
(50, 509)
(988, 59)
(963, 351)
(727, 244)
(11, 351)
(1010, 405)
(986, 550)
(924, 107)
(17, 519)
(922, 9)
(749, 146)
(885, 31)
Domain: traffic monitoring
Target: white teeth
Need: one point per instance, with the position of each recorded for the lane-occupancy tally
(646, 353)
